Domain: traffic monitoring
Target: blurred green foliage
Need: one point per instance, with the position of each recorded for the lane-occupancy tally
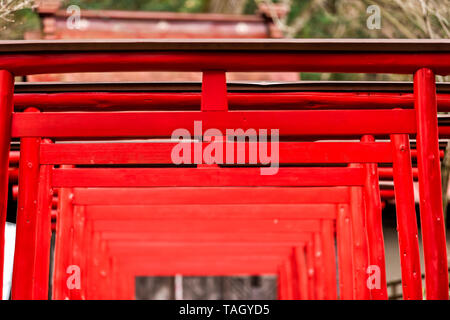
(22, 21)
(140, 5)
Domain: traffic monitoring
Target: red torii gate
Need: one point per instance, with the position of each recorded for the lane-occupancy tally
(430, 58)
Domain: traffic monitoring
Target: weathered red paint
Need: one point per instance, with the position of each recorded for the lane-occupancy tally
(406, 219)
(27, 219)
(431, 214)
(6, 108)
(372, 201)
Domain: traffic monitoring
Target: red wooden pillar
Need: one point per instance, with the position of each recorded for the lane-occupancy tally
(43, 233)
(85, 249)
(311, 271)
(360, 249)
(214, 91)
(295, 276)
(104, 288)
(93, 269)
(26, 225)
(77, 248)
(6, 109)
(63, 244)
(302, 272)
(372, 201)
(126, 282)
(290, 279)
(130, 293)
(283, 282)
(431, 212)
(319, 268)
(406, 218)
(345, 252)
(329, 259)
(114, 278)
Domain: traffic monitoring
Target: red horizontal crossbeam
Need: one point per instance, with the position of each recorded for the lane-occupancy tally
(206, 177)
(190, 237)
(160, 153)
(214, 212)
(190, 101)
(199, 251)
(216, 267)
(363, 62)
(208, 227)
(208, 195)
(163, 124)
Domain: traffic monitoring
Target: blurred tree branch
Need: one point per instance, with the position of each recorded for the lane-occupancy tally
(346, 18)
(225, 6)
(8, 7)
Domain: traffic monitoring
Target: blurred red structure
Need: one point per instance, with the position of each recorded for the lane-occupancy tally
(59, 23)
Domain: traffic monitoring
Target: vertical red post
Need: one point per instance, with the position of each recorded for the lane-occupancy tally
(302, 272)
(114, 280)
(360, 250)
(85, 247)
(329, 259)
(26, 224)
(214, 98)
(6, 109)
(103, 272)
(319, 267)
(295, 276)
(345, 252)
(131, 287)
(214, 91)
(77, 249)
(43, 233)
(123, 286)
(287, 266)
(281, 281)
(406, 218)
(311, 271)
(430, 189)
(372, 201)
(93, 269)
(89, 255)
(285, 285)
(63, 244)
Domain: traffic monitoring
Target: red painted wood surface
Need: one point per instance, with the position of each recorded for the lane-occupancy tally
(216, 212)
(360, 246)
(216, 196)
(302, 272)
(206, 177)
(375, 239)
(431, 214)
(271, 228)
(214, 91)
(329, 258)
(212, 238)
(43, 234)
(399, 63)
(160, 153)
(408, 239)
(344, 244)
(27, 220)
(162, 124)
(6, 107)
(222, 267)
(63, 241)
(190, 101)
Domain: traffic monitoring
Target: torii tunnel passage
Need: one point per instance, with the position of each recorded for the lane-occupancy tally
(382, 129)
